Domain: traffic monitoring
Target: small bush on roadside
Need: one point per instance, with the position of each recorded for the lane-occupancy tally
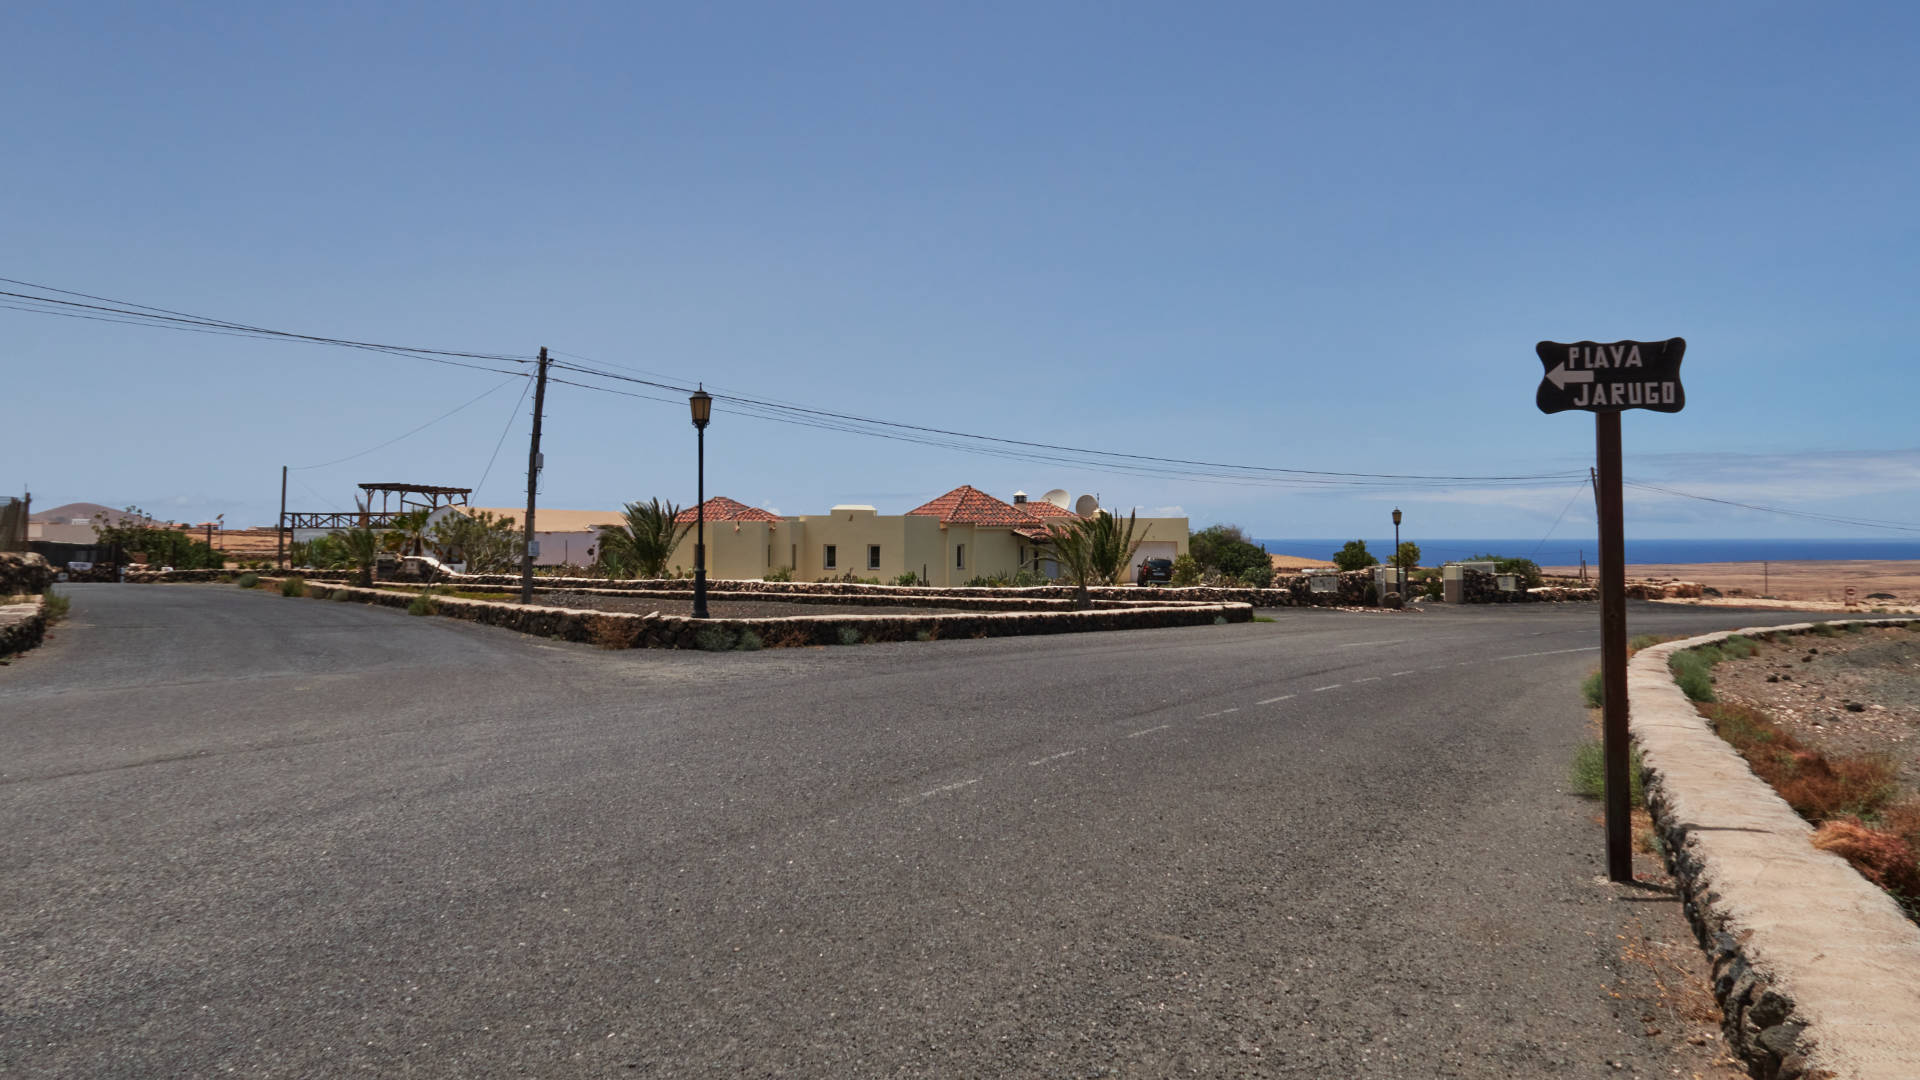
(923, 634)
(1825, 629)
(908, 578)
(1738, 647)
(849, 636)
(1589, 772)
(713, 639)
(1219, 620)
(1594, 689)
(293, 586)
(1853, 627)
(1257, 577)
(55, 606)
(342, 596)
(424, 604)
(1642, 641)
(319, 592)
(750, 642)
(1693, 672)
(1186, 571)
(248, 581)
(779, 573)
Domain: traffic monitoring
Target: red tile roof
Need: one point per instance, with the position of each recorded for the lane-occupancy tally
(721, 508)
(968, 505)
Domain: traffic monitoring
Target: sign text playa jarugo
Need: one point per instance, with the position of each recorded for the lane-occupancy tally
(1608, 378)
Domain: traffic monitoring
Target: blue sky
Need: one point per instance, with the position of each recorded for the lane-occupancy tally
(1312, 236)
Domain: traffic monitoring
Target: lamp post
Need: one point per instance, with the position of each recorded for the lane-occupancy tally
(702, 403)
(1400, 577)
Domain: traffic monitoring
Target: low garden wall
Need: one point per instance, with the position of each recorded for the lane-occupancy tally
(624, 630)
(1812, 964)
(24, 573)
(22, 626)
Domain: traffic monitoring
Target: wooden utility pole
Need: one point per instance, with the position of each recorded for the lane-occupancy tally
(533, 480)
(280, 532)
(1613, 647)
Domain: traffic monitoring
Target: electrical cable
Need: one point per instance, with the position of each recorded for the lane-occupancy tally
(1833, 519)
(1577, 492)
(397, 438)
(511, 417)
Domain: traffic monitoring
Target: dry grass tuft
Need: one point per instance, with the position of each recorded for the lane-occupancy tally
(1881, 856)
(1818, 787)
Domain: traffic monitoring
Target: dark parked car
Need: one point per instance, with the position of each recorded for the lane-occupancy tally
(1155, 571)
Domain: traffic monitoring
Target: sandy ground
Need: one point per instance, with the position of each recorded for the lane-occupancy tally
(1853, 693)
(1821, 584)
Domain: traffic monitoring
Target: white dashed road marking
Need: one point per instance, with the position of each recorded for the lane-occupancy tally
(1368, 644)
(1271, 700)
(950, 787)
(1149, 731)
(1370, 678)
(1335, 686)
(1397, 674)
(1058, 756)
(1549, 652)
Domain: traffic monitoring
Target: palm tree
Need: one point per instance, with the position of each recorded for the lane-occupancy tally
(362, 550)
(642, 543)
(1094, 550)
(407, 534)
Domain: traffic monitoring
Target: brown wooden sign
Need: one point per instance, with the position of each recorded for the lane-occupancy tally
(1613, 377)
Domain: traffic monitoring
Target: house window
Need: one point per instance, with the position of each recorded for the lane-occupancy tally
(960, 556)
(873, 556)
(832, 558)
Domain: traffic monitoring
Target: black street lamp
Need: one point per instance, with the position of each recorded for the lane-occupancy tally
(1401, 577)
(702, 403)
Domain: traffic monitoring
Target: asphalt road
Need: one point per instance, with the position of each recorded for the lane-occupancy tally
(298, 838)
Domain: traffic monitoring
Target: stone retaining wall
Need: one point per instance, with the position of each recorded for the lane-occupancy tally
(22, 626)
(24, 573)
(1813, 964)
(679, 632)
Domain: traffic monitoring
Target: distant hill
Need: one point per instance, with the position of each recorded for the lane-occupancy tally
(64, 515)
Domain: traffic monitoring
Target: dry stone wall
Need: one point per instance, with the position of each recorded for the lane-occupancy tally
(679, 632)
(22, 626)
(24, 573)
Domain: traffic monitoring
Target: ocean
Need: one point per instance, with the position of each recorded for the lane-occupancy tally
(1558, 552)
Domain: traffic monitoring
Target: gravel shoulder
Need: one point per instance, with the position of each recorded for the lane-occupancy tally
(1851, 694)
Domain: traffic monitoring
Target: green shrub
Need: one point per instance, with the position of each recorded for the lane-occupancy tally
(1354, 556)
(1186, 571)
(55, 606)
(908, 578)
(1594, 689)
(1436, 590)
(750, 642)
(248, 581)
(1853, 627)
(779, 573)
(849, 636)
(1825, 629)
(342, 596)
(424, 604)
(1257, 577)
(293, 586)
(713, 639)
(1738, 647)
(1693, 672)
(1225, 548)
(1219, 620)
(923, 634)
(1589, 773)
(319, 592)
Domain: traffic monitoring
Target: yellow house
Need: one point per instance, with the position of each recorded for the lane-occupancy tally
(951, 540)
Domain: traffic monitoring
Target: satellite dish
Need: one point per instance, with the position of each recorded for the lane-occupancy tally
(1086, 506)
(1058, 497)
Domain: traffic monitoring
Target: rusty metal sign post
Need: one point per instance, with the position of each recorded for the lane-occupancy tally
(1607, 380)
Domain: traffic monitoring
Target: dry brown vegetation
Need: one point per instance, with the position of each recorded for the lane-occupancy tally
(1852, 798)
(608, 632)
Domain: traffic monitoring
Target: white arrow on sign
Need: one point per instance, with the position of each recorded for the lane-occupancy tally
(1560, 376)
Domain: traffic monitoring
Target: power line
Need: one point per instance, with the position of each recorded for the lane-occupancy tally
(511, 417)
(397, 438)
(1832, 519)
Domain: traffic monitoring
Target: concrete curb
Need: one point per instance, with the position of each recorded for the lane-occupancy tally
(1815, 967)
